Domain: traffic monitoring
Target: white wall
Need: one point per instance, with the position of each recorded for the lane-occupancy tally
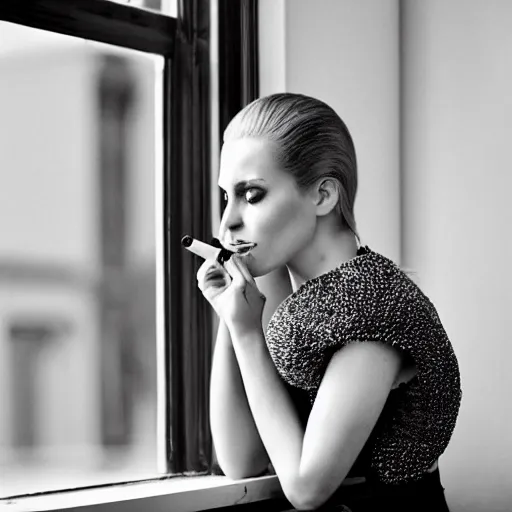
(442, 115)
(458, 181)
(346, 54)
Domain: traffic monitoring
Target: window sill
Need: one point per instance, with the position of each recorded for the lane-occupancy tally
(179, 494)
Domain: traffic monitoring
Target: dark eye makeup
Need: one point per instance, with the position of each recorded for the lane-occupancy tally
(251, 198)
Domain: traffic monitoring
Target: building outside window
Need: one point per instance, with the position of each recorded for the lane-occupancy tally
(79, 155)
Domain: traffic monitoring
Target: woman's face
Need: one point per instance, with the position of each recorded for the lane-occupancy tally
(264, 206)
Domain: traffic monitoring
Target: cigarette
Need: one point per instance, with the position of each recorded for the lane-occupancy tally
(206, 251)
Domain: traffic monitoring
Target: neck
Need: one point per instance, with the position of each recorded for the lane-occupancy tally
(327, 251)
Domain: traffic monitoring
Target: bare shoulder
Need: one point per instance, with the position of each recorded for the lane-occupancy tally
(376, 353)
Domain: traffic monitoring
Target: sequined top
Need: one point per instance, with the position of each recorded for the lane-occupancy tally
(369, 298)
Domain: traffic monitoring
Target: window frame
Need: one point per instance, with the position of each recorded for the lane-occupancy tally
(138, 29)
(98, 20)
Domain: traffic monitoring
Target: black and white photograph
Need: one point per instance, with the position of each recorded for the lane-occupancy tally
(254, 255)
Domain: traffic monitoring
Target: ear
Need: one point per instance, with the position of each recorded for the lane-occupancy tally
(327, 196)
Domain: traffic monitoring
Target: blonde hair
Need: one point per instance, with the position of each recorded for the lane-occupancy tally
(313, 143)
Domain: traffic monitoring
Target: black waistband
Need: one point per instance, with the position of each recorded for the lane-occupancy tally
(371, 489)
(427, 482)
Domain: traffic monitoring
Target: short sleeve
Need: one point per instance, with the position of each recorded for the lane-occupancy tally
(371, 299)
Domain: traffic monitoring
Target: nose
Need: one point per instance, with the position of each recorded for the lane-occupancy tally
(231, 221)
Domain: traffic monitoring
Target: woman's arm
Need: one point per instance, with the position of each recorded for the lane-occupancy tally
(311, 463)
(238, 445)
(240, 451)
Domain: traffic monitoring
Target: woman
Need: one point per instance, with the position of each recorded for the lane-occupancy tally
(353, 391)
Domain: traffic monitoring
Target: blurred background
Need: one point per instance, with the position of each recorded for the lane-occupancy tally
(79, 148)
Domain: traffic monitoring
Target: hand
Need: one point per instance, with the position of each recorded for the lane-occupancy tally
(233, 293)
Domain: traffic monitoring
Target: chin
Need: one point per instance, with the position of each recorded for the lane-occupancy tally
(258, 270)
(255, 270)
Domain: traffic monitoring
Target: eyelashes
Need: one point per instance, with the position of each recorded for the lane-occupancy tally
(252, 199)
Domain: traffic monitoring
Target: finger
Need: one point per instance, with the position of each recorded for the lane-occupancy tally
(210, 270)
(202, 249)
(248, 277)
(245, 271)
(252, 291)
(231, 266)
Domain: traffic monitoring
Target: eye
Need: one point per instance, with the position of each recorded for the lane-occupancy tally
(252, 198)
(248, 194)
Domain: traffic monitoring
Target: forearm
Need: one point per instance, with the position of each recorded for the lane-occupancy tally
(238, 445)
(272, 409)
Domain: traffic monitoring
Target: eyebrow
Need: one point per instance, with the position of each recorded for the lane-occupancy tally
(241, 185)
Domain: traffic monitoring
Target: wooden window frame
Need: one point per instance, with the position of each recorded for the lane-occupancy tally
(137, 29)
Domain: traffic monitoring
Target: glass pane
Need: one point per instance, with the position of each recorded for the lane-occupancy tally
(169, 7)
(80, 131)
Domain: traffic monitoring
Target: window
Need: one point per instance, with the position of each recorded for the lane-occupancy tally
(86, 193)
(77, 261)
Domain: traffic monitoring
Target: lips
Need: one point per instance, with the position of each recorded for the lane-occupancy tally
(245, 249)
(242, 248)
